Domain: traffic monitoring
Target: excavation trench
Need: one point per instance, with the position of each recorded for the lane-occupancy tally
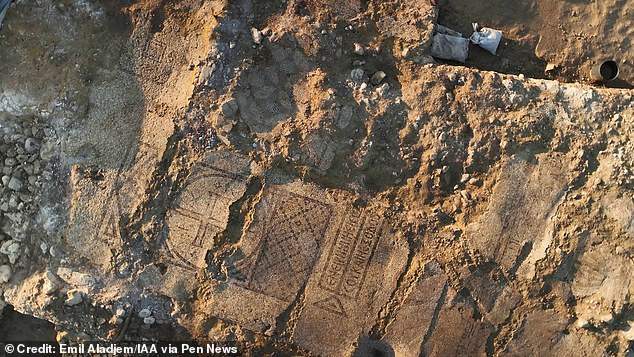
(543, 40)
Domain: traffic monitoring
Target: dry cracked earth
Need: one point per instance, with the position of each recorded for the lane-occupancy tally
(303, 178)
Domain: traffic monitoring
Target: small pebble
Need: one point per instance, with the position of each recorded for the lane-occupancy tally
(383, 89)
(377, 77)
(357, 74)
(10, 161)
(145, 313)
(5, 273)
(31, 145)
(14, 201)
(149, 320)
(51, 283)
(256, 35)
(11, 249)
(15, 184)
(345, 115)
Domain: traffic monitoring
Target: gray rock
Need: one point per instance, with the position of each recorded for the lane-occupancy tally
(120, 312)
(73, 297)
(145, 313)
(32, 145)
(358, 49)
(14, 201)
(345, 115)
(11, 249)
(5, 180)
(16, 218)
(28, 169)
(357, 74)
(230, 108)
(149, 320)
(256, 35)
(10, 161)
(51, 283)
(15, 184)
(25, 197)
(377, 77)
(5, 273)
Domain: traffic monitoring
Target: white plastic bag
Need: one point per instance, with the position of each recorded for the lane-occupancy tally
(450, 47)
(487, 38)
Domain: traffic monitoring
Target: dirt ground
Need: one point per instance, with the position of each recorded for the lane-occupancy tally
(304, 178)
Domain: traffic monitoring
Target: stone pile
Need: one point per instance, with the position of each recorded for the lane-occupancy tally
(22, 166)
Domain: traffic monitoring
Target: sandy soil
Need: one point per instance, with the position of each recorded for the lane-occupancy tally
(303, 177)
